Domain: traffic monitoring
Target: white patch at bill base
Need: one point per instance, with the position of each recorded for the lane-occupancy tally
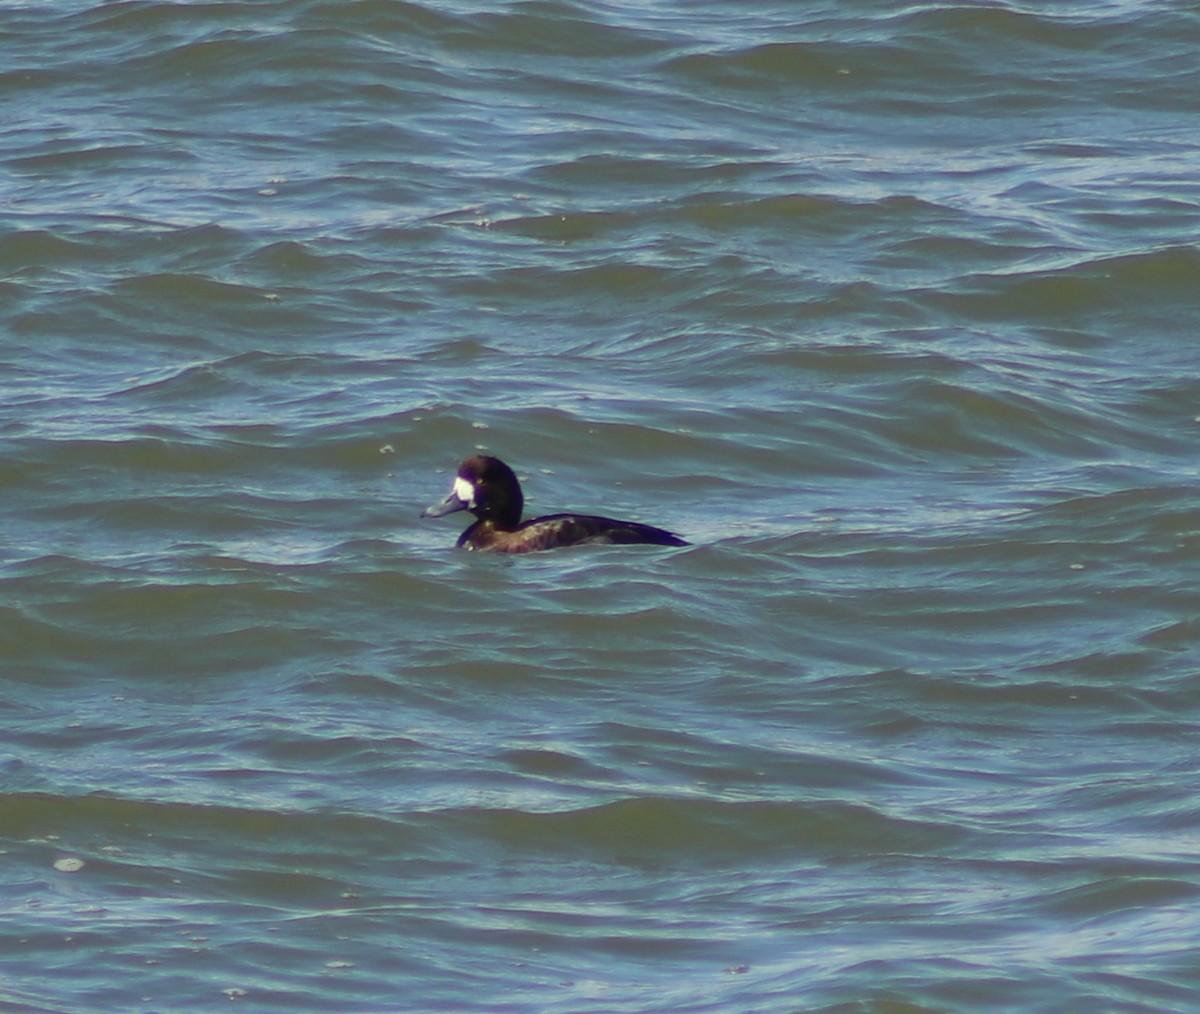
(465, 491)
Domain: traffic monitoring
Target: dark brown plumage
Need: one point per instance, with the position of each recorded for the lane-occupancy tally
(490, 490)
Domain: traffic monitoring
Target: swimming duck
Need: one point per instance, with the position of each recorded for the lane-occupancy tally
(489, 489)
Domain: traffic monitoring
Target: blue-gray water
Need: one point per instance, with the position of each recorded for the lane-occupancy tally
(892, 310)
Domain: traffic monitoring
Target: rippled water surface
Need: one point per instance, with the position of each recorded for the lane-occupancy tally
(890, 310)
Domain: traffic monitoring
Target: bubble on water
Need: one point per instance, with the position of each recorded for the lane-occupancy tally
(68, 864)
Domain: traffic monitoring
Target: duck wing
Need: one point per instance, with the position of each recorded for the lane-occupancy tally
(555, 530)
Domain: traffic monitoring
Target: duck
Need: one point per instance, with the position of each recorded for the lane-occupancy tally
(489, 489)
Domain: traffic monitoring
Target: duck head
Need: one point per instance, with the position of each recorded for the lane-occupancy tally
(487, 488)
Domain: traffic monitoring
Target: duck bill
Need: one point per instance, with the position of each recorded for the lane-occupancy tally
(452, 503)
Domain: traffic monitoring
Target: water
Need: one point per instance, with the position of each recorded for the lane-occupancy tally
(891, 311)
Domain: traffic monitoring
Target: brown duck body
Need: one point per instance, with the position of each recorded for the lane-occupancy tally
(555, 530)
(489, 489)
